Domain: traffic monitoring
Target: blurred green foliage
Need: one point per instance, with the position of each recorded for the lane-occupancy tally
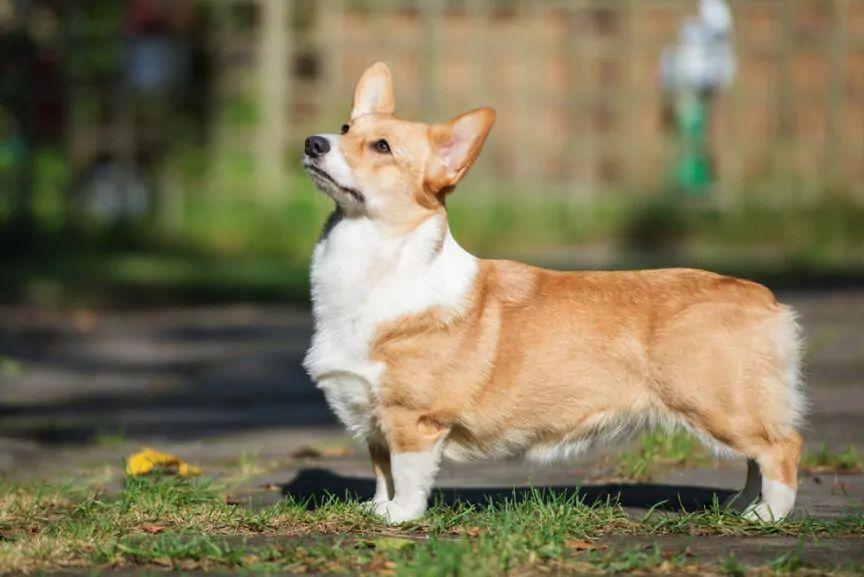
(229, 242)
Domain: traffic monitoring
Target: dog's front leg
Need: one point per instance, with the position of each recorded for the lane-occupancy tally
(416, 444)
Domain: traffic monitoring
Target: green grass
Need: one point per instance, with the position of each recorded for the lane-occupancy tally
(732, 567)
(187, 524)
(110, 438)
(10, 367)
(638, 559)
(658, 450)
(139, 278)
(788, 562)
(824, 460)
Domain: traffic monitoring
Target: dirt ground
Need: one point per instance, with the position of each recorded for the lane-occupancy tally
(223, 387)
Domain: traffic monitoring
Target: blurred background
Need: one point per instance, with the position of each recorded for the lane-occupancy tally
(149, 149)
(149, 160)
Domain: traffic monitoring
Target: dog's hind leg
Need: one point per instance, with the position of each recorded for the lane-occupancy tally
(779, 466)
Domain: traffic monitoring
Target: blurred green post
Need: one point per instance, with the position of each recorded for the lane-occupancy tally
(693, 168)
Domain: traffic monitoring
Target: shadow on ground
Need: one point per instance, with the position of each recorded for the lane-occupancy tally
(316, 485)
(173, 374)
(184, 374)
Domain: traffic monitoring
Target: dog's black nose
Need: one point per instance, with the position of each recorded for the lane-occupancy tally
(316, 146)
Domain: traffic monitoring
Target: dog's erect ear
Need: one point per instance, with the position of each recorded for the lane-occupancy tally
(455, 146)
(374, 92)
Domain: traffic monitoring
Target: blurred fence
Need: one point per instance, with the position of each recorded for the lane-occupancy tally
(575, 84)
(140, 94)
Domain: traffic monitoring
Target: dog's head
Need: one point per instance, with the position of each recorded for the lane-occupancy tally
(391, 169)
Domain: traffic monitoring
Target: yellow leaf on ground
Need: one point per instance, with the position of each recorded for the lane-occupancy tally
(149, 460)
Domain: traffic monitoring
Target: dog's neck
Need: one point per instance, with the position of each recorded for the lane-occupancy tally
(360, 262)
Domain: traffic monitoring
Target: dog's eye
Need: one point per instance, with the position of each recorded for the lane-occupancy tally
(345, 129)
(381, 146)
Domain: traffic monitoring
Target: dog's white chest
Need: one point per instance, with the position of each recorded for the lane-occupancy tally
(339, 357)
(339, 362)
(362, 279)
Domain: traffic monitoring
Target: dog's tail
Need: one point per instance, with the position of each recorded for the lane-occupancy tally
(790, 347)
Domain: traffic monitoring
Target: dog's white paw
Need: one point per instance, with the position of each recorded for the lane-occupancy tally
(397, 511)
(373, 505)
(761, 512)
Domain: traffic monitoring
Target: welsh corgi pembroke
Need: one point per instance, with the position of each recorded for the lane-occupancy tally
(425, 351)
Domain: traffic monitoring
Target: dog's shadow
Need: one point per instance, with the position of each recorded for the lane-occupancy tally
(315, 485)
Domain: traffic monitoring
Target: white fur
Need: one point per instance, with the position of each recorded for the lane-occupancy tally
(790, 344)
(334, 163)
(338, 179)
(382, 490)
(603, 429)
(413, 477)
(777, 502)
(362, 277)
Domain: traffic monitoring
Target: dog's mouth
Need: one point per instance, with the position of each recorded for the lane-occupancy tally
(327, 183)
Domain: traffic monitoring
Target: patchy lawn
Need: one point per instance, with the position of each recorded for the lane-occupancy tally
(165, 521)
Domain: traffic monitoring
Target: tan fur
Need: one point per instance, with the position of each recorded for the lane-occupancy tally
(415, 163)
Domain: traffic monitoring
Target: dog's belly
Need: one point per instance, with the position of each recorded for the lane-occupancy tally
(517, 444)
(555, 441)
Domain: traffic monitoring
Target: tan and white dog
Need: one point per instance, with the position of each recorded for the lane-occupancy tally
(424, 350)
